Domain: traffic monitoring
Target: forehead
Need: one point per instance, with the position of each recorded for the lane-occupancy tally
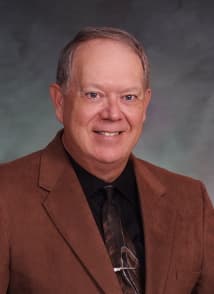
(106, 59)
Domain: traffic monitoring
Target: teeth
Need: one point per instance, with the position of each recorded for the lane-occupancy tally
(109, 134)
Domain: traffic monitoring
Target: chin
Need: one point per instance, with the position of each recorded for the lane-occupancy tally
(111, 158)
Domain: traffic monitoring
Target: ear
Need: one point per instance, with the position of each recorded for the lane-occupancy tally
(146, 101)
(57, 100)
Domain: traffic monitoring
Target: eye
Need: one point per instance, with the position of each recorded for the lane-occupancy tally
(92, 95)
(129, 97)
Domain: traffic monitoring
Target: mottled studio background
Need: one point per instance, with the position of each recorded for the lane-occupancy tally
(179, 39)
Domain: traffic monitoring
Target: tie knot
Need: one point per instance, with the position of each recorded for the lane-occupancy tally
(109, 192)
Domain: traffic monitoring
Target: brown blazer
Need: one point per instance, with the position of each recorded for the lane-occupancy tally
(49, 242)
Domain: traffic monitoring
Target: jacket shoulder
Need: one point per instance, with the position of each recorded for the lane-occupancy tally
(165, 176)
(20, 168)
(185, 193)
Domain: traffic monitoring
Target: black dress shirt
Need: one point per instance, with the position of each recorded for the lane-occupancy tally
(128, 202)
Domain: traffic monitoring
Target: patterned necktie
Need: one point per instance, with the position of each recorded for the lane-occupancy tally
(120, 247)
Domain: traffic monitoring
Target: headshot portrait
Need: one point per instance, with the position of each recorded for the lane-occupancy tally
(82, 209)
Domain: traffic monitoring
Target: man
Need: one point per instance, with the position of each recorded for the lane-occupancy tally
(84, 215)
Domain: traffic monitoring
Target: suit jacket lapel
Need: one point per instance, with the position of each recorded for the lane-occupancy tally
(159, 217)
(67, 207)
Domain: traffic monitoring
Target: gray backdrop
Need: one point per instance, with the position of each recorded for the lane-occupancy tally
(179, 39)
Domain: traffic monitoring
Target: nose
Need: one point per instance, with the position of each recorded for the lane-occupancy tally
(111, 110)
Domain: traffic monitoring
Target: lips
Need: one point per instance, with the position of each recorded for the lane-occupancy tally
(108, 133)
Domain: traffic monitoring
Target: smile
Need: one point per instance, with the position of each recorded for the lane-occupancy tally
(108, 134)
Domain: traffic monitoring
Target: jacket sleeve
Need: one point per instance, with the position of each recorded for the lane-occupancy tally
(206, 282)
(4, 251)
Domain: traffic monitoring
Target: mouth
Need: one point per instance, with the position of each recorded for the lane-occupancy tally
(108, 134)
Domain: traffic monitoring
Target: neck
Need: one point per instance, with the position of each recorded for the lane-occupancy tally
(106, 171)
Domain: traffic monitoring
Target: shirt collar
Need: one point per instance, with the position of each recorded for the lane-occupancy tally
(125, 183)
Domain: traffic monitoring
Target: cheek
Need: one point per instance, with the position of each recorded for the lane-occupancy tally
(136, 118)
(78, 116)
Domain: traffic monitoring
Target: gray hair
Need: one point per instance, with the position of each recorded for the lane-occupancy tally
(63, 74)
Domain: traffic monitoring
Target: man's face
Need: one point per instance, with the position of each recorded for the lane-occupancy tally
(104, 108)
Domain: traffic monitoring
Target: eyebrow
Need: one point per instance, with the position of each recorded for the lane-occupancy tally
(100, 87)
(133, 89)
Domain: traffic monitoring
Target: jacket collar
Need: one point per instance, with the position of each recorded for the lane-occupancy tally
(67, 207)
